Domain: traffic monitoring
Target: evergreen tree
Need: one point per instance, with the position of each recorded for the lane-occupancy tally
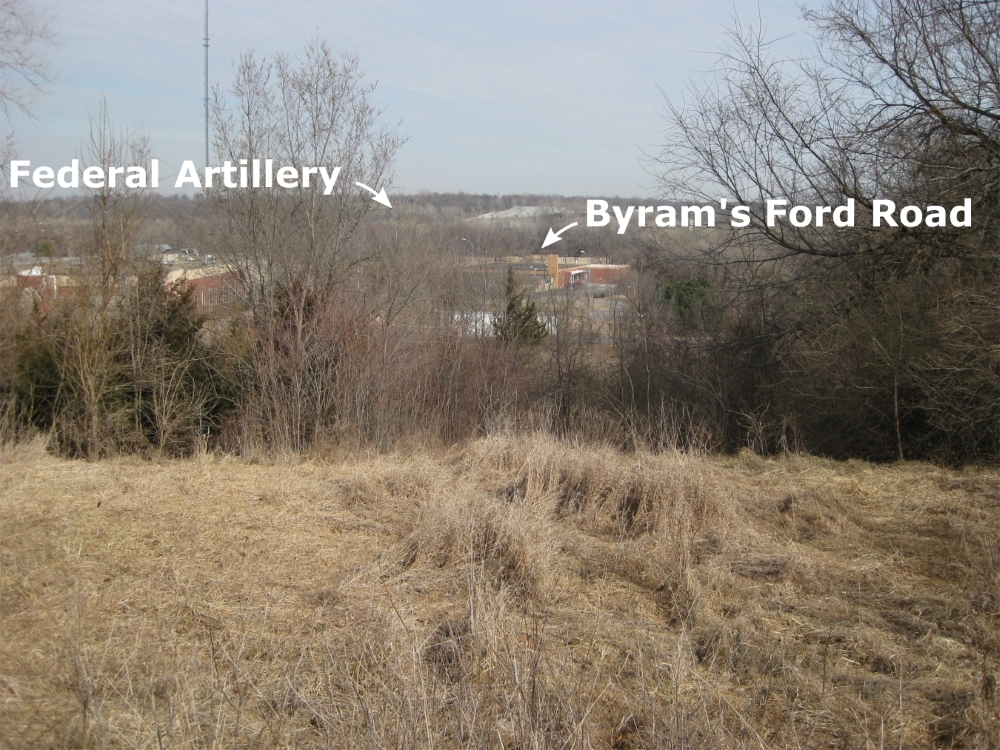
(518, 322)
(691, 300)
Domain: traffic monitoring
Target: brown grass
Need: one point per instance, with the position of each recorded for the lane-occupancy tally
(521, 593)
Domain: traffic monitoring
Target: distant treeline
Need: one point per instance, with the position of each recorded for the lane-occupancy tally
(371, 350)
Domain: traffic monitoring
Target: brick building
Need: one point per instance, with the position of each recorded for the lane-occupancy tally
(583, 275)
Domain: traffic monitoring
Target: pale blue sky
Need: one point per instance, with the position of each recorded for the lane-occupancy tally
(496, 97)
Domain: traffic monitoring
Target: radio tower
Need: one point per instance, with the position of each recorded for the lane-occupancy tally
(206, 83)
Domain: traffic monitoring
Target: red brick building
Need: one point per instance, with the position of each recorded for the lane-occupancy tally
(583, 275)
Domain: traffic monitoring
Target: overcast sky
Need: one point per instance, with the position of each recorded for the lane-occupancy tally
(495, 97)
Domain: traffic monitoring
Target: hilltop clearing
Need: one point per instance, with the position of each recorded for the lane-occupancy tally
(517, 593)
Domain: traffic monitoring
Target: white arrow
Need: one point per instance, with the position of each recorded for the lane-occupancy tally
(380, 196)
(554, 237)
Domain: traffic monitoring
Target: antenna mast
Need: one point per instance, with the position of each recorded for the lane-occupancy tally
(206, 83)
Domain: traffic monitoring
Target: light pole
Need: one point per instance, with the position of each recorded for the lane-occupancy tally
(206, 84)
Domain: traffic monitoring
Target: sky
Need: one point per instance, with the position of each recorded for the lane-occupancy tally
(494, 97)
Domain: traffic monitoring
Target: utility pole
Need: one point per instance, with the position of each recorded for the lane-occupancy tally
(206, 83)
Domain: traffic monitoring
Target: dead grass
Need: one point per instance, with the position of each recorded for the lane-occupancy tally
(520, 593)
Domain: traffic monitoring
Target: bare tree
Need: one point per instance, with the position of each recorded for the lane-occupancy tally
(568, 364)
(85, 336)
(294, 249)
(313, 112)
(26, 31)
(900, 92)
(118, 212)
(901, 102)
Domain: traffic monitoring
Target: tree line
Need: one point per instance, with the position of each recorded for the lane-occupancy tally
(882, 343)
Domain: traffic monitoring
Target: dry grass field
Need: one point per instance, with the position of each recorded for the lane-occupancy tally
(518, 593)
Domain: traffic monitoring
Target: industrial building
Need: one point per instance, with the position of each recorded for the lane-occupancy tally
(585, 274)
